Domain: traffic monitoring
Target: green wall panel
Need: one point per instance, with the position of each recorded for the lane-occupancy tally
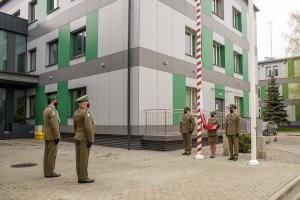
(285, 91)
(40, 105)
(291, 69)
(64, 46)
(92, 36)
(219, 91)
(63, 97)
(41, 11)
(244, 24)
(245, 104)
(245, 65)
(263, 91)
(207, 47)
(229, 69)
(206, 6)
(297, 113)
(179, 90)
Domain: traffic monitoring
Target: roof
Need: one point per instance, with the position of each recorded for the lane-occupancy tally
(278, 60)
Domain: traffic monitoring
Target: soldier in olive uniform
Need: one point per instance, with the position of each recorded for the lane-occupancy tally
(212, 135)
(84, 127)
(187, 126)
(52, 136)
(232, 131)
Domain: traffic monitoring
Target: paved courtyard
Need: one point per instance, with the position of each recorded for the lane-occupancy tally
(141, 174)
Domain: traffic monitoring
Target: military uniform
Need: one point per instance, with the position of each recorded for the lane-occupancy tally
(84, 127)
(232, 131)
(187, 126)
(212, 135)
(52, 137)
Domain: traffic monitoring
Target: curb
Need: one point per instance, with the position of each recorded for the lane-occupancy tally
(283, 192)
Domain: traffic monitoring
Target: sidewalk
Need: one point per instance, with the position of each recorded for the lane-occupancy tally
(140, 174)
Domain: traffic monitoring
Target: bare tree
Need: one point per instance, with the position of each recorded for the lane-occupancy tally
(293, 37)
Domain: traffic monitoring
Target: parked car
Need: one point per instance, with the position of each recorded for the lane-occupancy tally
(270, 128)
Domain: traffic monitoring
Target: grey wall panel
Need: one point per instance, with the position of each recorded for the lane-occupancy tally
(178, 66)
(64, 74)
(106, 68)
(220, 29)
(164, 63)
(179, 5)
(103, 3)
(13, 24)
(189, 68)
(167, 2)
(92, 67)
(92, 5)
(78, 11)
(207, 21)
(78, 71)
(148, 58)
(281, 81)
(190, 11)
(116, 61)
(45, 78)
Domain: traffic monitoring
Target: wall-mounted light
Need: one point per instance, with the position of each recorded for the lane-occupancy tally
(50, 77)
(102, 64)
(165, 62)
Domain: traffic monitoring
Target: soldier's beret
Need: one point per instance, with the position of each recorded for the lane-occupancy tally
(213, 112)
(186, 108)
(52, 97)
(232, 106)
(83, 98)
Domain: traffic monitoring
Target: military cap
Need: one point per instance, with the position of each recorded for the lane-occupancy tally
(186, 108)
(213, 112)
(52, 97)
(232, 106)
(83, 98)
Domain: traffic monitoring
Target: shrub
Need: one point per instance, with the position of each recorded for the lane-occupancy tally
(244, 143)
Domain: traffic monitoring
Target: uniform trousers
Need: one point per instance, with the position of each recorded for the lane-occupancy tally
(187, 142)
(233, 144)
(49, 157)
(82, 159)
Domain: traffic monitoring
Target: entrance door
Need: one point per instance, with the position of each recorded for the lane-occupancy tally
(220, 106)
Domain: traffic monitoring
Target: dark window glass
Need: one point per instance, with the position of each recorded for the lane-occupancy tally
(79, 43)
(16, 14)
(3, 50)
(2, 105)
(33, 60)
(52, 4)
(32, 106)
(75, 94)
(19, 106)
(32, 10)
(20, 56)
(53, 53)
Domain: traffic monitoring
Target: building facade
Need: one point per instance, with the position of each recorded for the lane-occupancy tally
(287, 73)
(80, 47)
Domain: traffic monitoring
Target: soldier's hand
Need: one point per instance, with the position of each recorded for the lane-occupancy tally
(89, 144)
(56, 141)
(237, 135)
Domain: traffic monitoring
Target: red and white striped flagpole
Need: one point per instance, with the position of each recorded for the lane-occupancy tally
(199, 155)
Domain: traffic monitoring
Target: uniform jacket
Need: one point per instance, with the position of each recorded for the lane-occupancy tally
(187, 123)
(212, 121)
(51, 123)
(232, 123)
(84, 125)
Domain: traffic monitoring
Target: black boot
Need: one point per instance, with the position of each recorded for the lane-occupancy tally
(235, 157)
(230, 158)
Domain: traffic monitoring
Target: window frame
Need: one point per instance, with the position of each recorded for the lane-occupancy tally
(275, 67)
(31, 20)
(73, 37)
(32, 115)
(52, 42)
(51, 3)
(217, 50)
(73, 105)
(192, 92)
(237, 58)
(218, 8)
(236, 19)
(17, 13)
(193, 41)
(31, 51)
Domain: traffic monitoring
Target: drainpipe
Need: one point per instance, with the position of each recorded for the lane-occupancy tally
(128, 83)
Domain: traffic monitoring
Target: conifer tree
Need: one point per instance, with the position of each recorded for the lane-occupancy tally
(274, 109)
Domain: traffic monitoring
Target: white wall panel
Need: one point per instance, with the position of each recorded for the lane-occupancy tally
(165, 32)
(148, 24)
(103, 102)
(209, 96)
(178, 35)
(51, 88)
(77, 83)
(92, 92)
(117, 27)
(78, 24)
(104, 31)
(164, 90)
(116, 98)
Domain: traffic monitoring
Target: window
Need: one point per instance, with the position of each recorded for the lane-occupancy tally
(3, 50)
(19, 106)
(31, 106)
(2, 105)
(275, 70)
(32, 60)
(191, 98)
(236, 19)
(272, 71)
(32, 10)
(237, 102)
(16, 14)
(218, 55)
(218, 8)
(258, 93)
(75, 94)
(190, 42)
(53, 53)
(237, 63)
(20, 53)
(52, 5)
(79, 38)
(268, 71)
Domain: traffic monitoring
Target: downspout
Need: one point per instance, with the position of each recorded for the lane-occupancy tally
(128, 83)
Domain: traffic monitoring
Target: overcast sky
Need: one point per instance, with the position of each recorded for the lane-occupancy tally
(278, 13)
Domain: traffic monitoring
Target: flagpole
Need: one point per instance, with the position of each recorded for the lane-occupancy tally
(199, 155)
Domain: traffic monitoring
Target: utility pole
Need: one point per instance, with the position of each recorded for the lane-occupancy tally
(270, 23)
